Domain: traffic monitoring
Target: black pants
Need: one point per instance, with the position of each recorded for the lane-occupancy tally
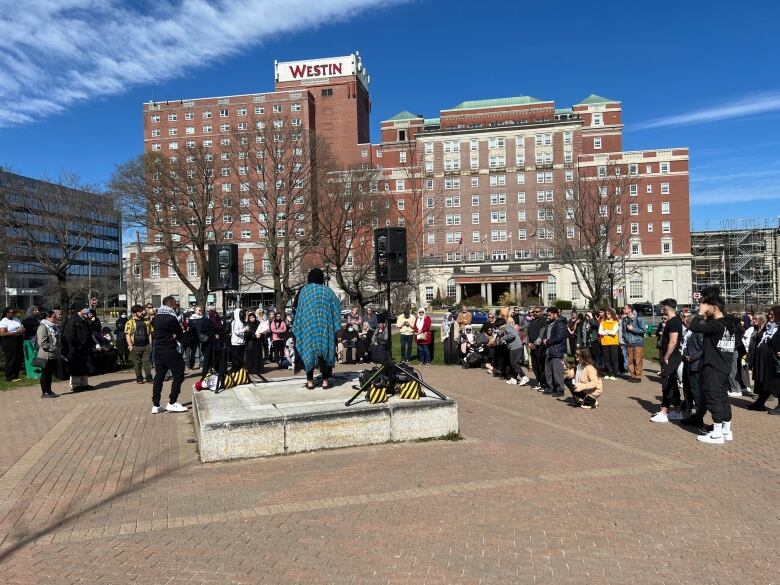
(208, 360)
(190, 349)
(669, 383)
(277, 350)
(516, 362)
(237, 356)
(166, 359)
(715, 387)
(692, 389)
(47, 372)
(538, 364)
(325, 369)
(14, 356)
(611, 363)
(501, 361)
(263, 340)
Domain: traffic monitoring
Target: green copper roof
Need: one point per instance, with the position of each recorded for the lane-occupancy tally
(403, 116)
(596, 99)
(432, 121)
(563, 110)
(522, 100)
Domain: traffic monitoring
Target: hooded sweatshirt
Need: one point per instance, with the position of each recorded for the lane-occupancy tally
(719, 341)
(237, 329)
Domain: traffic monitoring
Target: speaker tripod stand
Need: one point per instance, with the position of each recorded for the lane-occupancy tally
(391, 370)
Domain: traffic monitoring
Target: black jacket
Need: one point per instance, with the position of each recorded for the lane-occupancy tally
(557, 334)
(719, 341)
(76, 336)
(167, 331)
(535, 328)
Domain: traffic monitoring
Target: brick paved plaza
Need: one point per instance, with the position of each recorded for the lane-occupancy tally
(95, 489)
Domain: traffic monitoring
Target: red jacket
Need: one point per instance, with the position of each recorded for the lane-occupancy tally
(426, 329)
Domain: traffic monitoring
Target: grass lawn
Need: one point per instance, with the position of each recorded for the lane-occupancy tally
(651, 351)
(21, 383)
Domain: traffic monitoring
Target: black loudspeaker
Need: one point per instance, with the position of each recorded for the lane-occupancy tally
(223, 267)
(390, 254)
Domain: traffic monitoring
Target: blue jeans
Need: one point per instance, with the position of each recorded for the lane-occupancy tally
(424, 352)
(406, 347)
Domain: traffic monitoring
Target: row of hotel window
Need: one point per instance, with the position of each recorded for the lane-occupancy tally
(499, 142)
(548, 253)
(546, 196)
(228, 235)
(225, 113)
(545, 214)
(241, 126)
(500, 181)
(155, 266)
(502, 235)
(498, 161)
(208, 143)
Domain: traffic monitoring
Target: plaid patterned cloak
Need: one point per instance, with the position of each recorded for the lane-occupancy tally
(317, 319)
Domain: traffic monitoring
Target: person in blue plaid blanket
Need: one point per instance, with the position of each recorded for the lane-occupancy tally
(317, 319)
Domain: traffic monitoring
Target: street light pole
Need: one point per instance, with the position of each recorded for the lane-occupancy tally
(611, 276)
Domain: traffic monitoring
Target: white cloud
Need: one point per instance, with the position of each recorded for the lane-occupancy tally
(57, 53)
(752, 105)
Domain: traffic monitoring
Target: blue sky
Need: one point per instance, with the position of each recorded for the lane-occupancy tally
(74, 73)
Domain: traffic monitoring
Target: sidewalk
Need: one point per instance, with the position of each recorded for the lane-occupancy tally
(95, 489)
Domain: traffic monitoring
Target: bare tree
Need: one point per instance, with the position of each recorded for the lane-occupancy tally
(279, 167)
(176, 200)
(51, 224)
(590, 225)
(350, 207)
(420, 212)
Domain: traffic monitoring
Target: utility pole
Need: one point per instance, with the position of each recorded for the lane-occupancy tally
(89, 278)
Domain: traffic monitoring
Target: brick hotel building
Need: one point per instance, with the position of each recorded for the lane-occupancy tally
(487, 170)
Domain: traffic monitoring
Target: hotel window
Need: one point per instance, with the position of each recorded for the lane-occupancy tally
(567, 136)
(649, 208)
(189, 116)
(568, 156)
(474, 200)
(296, 122)
(429, 184)
(277, 109)
(402, 156)
(245, 218)
(521, 196)
(570, 231)
(521, 215)
(569, 176)
(429, 202)
(401, 204)
(475, 218)
(666, 227)
(497, 142)
(634, 229)
(602, 191)
(155, 118)
(635, 249)
(520, 178)
(156, 147)
(429, 148)
(498, 199)
(207, 128)
(666, 247)
(451, 183)
(474, 161)
(664, 188)
(173, 131)
(498, 217)
(569, 213)
(539, 178)
(635, 290)
(597, 143)
(498, 255)
(172, 117)
(451, 164)
(498, 236)
(665, 207)
(259, 110)
(452, 201)
(206, 115)
(633, 209)
(603, 210)
(569, 194)
(154, 269)
(429, 293)
(474, 145)
(633, 190)
(189, 130)
(497, 161)
(633, 170)
(520, 142)
(619, 229)
(245, 235)
(475, 181)
(451, 146)
(664, 168)
(650, 228)
(601, 171)
(497, 180)
(522, 234)
(224, 113)
(156, 132)
(453, 237)
(598, 120)
(295, 107)
(399, 185)
(431, 238)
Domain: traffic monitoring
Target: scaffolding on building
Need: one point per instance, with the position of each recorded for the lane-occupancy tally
(741, 257)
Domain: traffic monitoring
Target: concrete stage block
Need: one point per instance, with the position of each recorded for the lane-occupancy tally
(232, 426)
(426, 418)
(327, 424)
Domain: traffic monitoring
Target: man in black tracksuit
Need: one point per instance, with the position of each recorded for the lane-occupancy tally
(555, 341)
(535, 332)
(166, 333)
(719, 333)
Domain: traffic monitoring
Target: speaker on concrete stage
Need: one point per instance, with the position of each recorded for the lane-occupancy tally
(223, 267)
(390, 254)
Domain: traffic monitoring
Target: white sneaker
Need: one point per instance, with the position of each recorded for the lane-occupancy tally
(711, 438)
(176, 407)
(659, 417)
(523, 381)
(674, 415)
(157, 409)
(512, 381)
(735, 394)
(728, 436)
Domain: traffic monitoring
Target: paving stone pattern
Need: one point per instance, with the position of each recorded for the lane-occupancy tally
(95, 489)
